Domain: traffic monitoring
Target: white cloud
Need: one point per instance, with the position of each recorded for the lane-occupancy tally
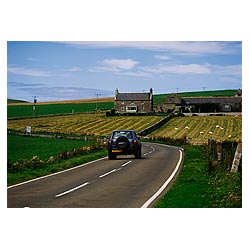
(28, 72)
(61, 93)
(125, 64)
(115, 65)
(230, 79)
(135, 73)
(233, 70)
(32, 59)
(74, 69)
(177, 69)
(184, 48)
(204, 69)
(162, 57)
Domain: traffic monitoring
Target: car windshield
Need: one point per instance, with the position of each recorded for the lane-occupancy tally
(127, 134)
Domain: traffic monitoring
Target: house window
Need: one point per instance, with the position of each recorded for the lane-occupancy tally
(142, 107)
(131, 109)
(122, 108)
(122, 102)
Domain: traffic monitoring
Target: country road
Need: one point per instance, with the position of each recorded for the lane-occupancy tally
(122, 183)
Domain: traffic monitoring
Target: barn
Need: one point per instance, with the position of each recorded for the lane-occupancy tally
(201, 104)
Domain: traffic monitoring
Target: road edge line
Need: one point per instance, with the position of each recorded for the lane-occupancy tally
(152, 198)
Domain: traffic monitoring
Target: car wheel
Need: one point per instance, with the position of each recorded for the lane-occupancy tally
(111, 156)
(138, 153)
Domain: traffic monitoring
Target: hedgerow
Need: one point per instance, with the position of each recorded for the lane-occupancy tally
(36, 163)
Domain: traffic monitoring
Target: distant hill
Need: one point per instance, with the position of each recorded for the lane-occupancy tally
(15, 101)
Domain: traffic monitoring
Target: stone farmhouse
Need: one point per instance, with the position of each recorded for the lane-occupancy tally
(201, 104)
(134, 102)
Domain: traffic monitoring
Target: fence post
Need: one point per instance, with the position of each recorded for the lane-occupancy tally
(237, 158)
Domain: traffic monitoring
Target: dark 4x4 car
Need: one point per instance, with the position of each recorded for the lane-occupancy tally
(123, 142)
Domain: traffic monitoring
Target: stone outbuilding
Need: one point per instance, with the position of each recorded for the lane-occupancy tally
(202, 104)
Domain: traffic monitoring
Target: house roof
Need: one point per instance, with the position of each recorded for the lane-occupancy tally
(133, 97)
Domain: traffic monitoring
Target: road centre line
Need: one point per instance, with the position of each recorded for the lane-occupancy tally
(151, 199)
(73, 189)
(87, 183)
(108, 173)
(123, 165)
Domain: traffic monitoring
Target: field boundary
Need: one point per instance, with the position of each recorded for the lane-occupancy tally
(157, 125)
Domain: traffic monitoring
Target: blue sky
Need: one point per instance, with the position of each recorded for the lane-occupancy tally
(78, 70)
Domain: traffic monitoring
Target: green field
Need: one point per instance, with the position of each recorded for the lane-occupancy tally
(25, 147)
(9, 101)
(61, 108)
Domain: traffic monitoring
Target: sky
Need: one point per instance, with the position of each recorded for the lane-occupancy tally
(54, 71)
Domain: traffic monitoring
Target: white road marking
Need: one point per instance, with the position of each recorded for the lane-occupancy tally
(87, 183)
(71, 190)
(123, 165)
(150, 152)
(108, 173)
(150, 200)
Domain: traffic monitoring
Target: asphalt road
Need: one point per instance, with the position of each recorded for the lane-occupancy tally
(122, 183)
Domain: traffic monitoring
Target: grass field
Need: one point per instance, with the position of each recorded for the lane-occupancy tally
(84, 124)
(198, 129)
(60, 108)
(25, 147)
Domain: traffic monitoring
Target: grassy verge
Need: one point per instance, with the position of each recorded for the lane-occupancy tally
(28, 174)
(195, 187)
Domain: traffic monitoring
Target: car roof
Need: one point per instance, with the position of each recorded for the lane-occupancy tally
(123, 130)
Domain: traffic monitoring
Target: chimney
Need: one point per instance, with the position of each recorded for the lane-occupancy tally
(151, 93)
(116, 93)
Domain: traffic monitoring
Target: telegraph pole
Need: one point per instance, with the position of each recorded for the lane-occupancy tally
(204, 88)
(97, 99)
(34, 105)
